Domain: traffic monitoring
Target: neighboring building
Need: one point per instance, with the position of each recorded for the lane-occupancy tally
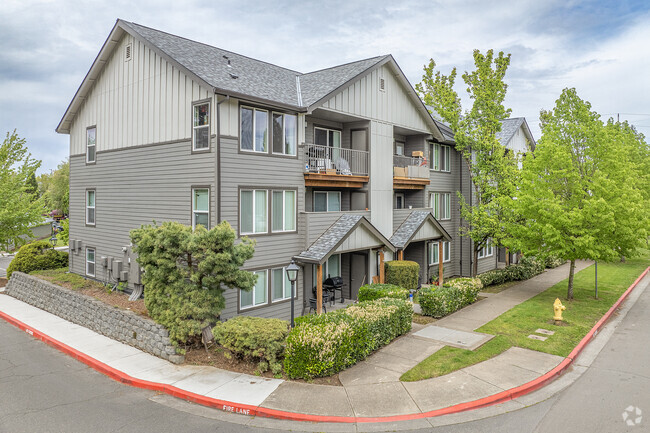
(516, 136)
(319, 167)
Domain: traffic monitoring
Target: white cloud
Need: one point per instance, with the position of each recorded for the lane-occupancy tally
(46, 47)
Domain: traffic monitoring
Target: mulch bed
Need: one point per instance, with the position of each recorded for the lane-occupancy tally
(217, 358)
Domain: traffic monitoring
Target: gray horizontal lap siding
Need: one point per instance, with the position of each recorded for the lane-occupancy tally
(134, 186)
(262, 171)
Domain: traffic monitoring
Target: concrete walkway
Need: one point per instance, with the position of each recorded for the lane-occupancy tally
(370, 388)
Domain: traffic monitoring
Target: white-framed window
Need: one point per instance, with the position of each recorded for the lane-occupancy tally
(434, 249)
(253, 212)
(254, 129)
(327, 201)
(327, 137)
(90, 262)
(258, 294)
(201, 207)
(201, 126)
(90, 207)
(487, 250)
(440, 156)
(434, 203)
(280, 285)
(91, 145)
(440, 202)
(285, 133)
(283, 211)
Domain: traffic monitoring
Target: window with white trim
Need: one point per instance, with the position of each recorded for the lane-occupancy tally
(90, 207)
(440, 202)
(253, 214)
(285, 133)
(201, 207)
(257, 295)
(434, 249)
(91, 145)
(327, 201)
(90, 262)
(487, 250)
(254, 129)
(280, 285)
(283, 211)
(440, 156)
(201, 126)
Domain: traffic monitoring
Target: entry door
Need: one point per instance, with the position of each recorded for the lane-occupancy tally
(358, 273)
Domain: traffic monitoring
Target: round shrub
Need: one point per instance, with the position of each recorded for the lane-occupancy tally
(37, 256)
(403, 273)
(456, 294)
(254, 338)
(370, 292)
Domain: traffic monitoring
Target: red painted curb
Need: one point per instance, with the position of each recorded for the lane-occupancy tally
(227, 406)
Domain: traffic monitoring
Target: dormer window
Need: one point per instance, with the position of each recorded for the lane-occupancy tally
(201, 126)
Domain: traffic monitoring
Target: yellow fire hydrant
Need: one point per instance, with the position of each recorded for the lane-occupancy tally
(557, 309)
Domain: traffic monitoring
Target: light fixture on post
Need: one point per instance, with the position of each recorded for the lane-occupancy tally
(292, 275)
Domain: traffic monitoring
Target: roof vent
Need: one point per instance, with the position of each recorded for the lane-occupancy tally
(128, 51)
(233, 76)
(382, 84)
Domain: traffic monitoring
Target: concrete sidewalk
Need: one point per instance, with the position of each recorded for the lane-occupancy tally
(370, 389)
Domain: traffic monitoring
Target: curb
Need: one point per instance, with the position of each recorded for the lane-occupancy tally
(249, 410)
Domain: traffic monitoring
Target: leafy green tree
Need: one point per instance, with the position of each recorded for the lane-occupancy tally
(186, 272)
(55, 187)
(493, 170)
(581, 194)
(19, 209)
(31, 186)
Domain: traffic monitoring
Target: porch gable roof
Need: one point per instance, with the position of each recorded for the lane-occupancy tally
(338, 233)
(413, 225)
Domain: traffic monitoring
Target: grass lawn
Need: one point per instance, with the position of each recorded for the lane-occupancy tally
(513, 327)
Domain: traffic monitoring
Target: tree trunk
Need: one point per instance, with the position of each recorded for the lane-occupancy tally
(572, 268)
(475, 264)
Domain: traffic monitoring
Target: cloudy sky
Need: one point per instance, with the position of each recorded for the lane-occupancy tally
(600, 47)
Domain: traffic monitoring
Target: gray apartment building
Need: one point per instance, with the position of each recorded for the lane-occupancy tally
(339, 169)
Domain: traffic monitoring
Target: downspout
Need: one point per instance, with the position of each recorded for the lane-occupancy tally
(218, 156)
(460, 221)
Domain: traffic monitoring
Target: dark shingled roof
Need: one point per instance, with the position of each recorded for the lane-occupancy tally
(508, 129)
(330, 238)
(411, 225)
(334, 235)
(254, 77)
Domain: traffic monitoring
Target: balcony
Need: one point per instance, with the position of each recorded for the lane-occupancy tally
(335, 167)
(410, 172)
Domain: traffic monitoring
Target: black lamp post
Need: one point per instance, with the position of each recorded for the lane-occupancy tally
(292, 275)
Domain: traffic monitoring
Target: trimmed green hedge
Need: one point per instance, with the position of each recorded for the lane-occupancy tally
(321, 345)
(527, 268)
(440, 301)
(37, 256)
(370, 292)
(254, 337)
(403, 273)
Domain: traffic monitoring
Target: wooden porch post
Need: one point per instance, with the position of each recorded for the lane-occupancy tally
(382, 271)
(319, 289)
(507, 257)
(400, 255)
(440, 263)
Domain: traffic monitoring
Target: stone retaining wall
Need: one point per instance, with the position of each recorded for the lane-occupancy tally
(121, 325)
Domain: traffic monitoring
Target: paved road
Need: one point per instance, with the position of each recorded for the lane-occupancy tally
(43, 390)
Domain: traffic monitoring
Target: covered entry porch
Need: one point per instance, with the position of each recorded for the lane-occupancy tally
(421, 238)
(351, 251)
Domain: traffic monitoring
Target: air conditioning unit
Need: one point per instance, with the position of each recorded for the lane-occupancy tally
(117, 268)
(124, 276)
